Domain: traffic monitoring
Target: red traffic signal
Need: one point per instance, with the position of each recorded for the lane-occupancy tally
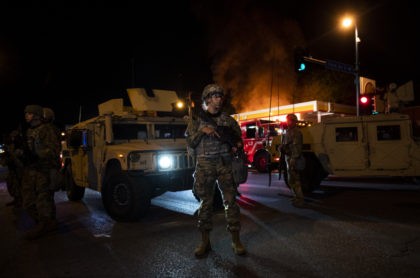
(366, 105)
(364, 100)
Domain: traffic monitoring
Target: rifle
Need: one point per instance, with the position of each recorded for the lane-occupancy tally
(239, 167)
(282, 162)
(190, 106)
(226, 133)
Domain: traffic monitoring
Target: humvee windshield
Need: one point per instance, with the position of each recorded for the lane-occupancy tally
(170, 131)
(139, 131)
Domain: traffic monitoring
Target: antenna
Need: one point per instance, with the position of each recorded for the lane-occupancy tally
(133, 75)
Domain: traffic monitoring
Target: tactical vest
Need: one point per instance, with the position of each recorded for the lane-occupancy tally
(293, 142)
(42, 142)
(211, 146)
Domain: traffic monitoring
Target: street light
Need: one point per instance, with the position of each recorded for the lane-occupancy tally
(346, 23)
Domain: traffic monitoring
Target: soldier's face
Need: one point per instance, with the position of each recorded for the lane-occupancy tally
(215, 101)
(29, 117)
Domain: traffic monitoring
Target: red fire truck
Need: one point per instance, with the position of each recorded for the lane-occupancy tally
(257, 135)
(261, 142)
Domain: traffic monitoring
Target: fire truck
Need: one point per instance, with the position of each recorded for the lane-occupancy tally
(257, 135)
(260, 128)
(262, 139)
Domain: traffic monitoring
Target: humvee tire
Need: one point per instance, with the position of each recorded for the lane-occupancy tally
(123, 200)
(312, 175)
(261, 160)
(74, 192)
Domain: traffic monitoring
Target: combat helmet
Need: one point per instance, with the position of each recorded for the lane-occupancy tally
(212, 89)
(34, 109)
(48, 114)
(292, 117)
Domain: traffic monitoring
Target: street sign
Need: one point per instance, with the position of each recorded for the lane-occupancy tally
(338, 66)
(367, 86)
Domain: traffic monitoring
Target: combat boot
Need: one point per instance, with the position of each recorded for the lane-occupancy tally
(204, 246)
(42, 228)
(237, 245)
(298, 201)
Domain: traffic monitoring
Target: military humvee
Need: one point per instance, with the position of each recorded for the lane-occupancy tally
(129, 154)
(380, 145)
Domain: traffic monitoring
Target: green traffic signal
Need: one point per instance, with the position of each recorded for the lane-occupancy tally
(299, 59)
(301, 67)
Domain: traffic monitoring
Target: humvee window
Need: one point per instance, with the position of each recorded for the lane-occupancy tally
(273, 131)
(77, 138)
(170, 131)
(129, 131)
(388, 132)
(261, 132)
(346, 134)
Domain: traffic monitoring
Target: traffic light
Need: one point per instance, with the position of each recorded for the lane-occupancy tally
(300, 63)
(364, 100)
(301, 66)
(366, 104)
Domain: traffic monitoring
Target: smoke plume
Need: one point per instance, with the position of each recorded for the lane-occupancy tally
(251, 48)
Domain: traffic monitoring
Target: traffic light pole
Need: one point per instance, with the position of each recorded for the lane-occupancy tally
(314, 61)
(356, 69)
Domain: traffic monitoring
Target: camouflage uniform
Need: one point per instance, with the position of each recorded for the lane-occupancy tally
(41, 156)
(13, 160)
(55, 176)
(292, 146)
(214, 163)
(214, 135)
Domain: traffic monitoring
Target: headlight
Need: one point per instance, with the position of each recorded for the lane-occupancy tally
(165, 162)
(134, 157)
(138, 161)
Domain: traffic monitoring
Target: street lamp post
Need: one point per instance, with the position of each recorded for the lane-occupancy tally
(346, 23)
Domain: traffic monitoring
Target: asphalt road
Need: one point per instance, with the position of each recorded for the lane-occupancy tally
(349, 229)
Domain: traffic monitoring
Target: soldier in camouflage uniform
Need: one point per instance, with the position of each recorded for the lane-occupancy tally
(292, 147)
(12, 158)
(41, 155)
(56, 177)
(214, 164)
(48, 117)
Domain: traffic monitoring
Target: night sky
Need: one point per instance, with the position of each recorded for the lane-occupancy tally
(75, 58)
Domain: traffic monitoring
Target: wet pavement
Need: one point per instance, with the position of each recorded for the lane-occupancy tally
(342, 233)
